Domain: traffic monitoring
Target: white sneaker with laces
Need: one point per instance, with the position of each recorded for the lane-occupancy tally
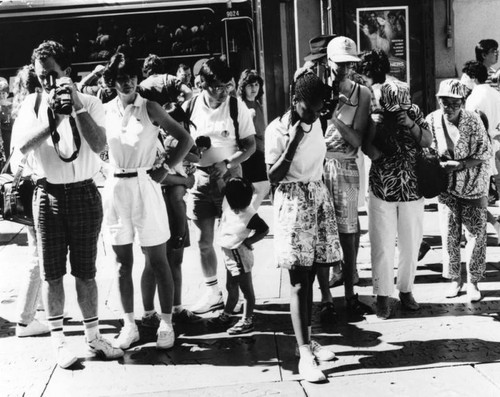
(166, 336)
(321, 352)
(309, 370)
(128, 335)
(209, 302)
(102, 348)
(32, 329)
(64, 356)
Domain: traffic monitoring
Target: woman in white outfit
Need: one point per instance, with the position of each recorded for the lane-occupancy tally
(133, 201)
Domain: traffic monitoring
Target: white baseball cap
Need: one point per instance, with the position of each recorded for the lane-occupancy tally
(342, 49)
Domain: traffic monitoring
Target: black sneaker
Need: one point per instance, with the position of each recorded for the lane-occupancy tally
(185, 316)
(356, 307)
(152, 321)
(222, 322)
(327, 313)
(244, 326)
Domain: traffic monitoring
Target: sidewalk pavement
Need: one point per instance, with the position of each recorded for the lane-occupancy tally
(448, 348)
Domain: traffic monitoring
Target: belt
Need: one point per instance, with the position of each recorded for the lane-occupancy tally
(131, 174)
(63, 186)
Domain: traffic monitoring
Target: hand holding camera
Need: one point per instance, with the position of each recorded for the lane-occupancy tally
(63, 95)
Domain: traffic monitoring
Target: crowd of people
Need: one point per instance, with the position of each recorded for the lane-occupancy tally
(174, 152)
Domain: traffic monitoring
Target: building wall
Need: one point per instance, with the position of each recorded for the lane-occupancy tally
(474, 20)
(308, 25)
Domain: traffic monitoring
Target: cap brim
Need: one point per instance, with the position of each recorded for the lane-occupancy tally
(448, 95)
(312, 57)
(344, 58)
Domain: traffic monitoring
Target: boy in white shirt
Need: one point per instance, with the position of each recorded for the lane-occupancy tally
(240, 227)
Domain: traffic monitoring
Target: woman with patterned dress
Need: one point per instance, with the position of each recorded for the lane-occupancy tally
(305, 235)
(395, 207)
(463, 145)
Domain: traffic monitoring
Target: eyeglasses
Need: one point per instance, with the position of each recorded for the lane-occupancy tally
(451, 105)
(223, 87)
(494, 51)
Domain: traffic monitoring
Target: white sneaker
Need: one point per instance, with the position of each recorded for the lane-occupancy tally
(321, 352)
(309, 370)
(32, 329)
(65, 357)
(102, 347)
(166, 336)
(128, 335)
(208, 303)
(473, 292)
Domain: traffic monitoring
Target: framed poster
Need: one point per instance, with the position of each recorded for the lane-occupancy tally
(386, 28)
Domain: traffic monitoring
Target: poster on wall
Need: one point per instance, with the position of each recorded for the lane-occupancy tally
(386, 28)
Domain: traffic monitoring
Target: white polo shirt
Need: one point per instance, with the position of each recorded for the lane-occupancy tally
(46, 163)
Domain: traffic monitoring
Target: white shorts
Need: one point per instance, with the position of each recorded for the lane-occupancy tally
(135, 207)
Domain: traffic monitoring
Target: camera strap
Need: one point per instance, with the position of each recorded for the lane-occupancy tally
(56, 137)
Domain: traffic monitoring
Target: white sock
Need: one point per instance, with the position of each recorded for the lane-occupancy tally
(149, 313)
(166, 319)
(211, 284)
(305, 351)
(129, 320)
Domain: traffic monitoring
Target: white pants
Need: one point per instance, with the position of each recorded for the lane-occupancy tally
(29, 296)
(386, 221)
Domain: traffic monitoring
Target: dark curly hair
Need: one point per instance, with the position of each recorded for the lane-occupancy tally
(250, 76)
(50, 48)
(153, 64)
(120, 65)
(476, 70)
(375, 65)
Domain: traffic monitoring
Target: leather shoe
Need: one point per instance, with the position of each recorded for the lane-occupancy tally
(408, 301)
(383, 307)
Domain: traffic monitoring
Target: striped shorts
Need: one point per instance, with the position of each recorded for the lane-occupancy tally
(238, 261)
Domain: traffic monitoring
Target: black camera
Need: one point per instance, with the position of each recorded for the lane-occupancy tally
(63, 104)
(331, 102)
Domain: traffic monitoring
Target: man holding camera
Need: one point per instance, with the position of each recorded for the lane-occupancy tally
(63, 131)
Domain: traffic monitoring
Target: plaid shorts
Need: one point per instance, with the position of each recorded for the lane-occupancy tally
(67, 217)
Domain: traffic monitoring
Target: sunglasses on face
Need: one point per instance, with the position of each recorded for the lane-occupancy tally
(223, 87)
(451, 105)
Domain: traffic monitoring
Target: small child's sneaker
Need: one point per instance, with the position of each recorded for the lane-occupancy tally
(243, 326)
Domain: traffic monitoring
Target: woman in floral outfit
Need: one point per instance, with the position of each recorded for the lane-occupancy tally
(463, 145)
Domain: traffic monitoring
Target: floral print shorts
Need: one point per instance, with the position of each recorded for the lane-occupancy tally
(305, 226)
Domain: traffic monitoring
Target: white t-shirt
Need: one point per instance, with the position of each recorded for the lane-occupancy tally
(45, 161)
(218, 125)
(233, 228)
(307, 163)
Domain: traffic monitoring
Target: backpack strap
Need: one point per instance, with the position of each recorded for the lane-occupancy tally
(233, 112)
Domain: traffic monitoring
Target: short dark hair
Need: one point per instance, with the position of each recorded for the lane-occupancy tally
(50, 48)
(238, 192)
(119, 64)
(483, 47)
(249, 76)
(183, 66)
(476, 70)
(308, 87)
(375, 65)
(153, 64)
(212, 70)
